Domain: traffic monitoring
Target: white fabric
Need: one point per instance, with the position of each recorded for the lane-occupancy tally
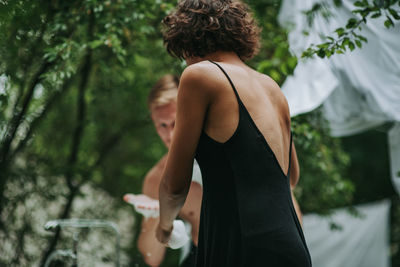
(197, 178)
(179, 236)
(185, 250)
(394, 145)
(362, 242)
(320, 81)
(196, 174)
(358, 90)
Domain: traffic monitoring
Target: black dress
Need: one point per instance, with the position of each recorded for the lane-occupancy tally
(247, 215)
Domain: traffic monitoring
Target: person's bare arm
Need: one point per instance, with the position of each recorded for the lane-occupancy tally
(152, 250)
(193, 101)
(294, 168)
(294, 178)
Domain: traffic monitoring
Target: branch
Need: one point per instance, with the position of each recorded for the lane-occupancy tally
(347, 37)
(12, 129)
(105, 150)
(27, 63)
(81, 114)
(36, 122)
(20, 247)
(17, 119)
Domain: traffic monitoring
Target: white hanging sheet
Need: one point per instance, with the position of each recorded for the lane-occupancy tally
(358, 90)
(362, 242)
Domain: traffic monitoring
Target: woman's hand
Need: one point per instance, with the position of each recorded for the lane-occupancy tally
(163, 235)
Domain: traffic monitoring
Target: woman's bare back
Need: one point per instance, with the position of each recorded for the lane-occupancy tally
(263, 100)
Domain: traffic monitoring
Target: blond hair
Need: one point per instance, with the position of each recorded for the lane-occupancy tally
(165, 91)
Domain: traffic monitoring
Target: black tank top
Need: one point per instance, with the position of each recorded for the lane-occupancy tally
(247, 214)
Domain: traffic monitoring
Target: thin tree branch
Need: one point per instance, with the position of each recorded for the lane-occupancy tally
(12, 129)
(36, 122)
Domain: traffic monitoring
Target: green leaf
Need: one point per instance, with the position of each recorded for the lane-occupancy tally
(351, 46)
(321, 53)
(362, 38)
(389, 23)
(340, 32)
(358, 43)
(96, 43)
(351, 23)
(394, 13)
(359, 4)
(376, 15)
(323, 45)
(338, 3)
(275, 75)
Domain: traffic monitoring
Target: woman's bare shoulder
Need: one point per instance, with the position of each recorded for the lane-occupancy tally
(203, 75)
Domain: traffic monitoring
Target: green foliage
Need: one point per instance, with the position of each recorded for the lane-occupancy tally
(348, 37)
(78, 79)
(274, 58)
(323, 164)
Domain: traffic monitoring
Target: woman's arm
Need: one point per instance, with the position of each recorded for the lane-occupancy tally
(193, 101)
(294, 179)
(294, 168)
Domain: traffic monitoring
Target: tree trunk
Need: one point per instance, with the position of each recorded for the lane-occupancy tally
(12, 130)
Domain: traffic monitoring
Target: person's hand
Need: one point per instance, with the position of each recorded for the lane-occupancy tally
(163, 235)
(144, 205)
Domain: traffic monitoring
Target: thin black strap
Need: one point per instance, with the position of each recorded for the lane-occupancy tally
(230, 81)
(290, 153)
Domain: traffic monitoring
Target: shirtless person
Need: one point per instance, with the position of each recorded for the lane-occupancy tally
(162, 105)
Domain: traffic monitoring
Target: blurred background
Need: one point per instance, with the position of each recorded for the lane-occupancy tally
(76, 134)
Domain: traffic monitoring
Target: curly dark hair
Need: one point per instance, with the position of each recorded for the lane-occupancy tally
(200, 27)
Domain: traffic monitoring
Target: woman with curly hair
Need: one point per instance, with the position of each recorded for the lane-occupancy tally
(236, 123)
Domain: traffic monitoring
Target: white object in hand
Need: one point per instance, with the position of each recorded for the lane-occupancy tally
(179, 237)
(147, 206)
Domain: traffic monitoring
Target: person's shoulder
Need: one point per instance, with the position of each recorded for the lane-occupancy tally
(199, 70)
(201, 74)
(152, 180)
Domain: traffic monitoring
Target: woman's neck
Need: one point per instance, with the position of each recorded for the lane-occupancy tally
(219, 56)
